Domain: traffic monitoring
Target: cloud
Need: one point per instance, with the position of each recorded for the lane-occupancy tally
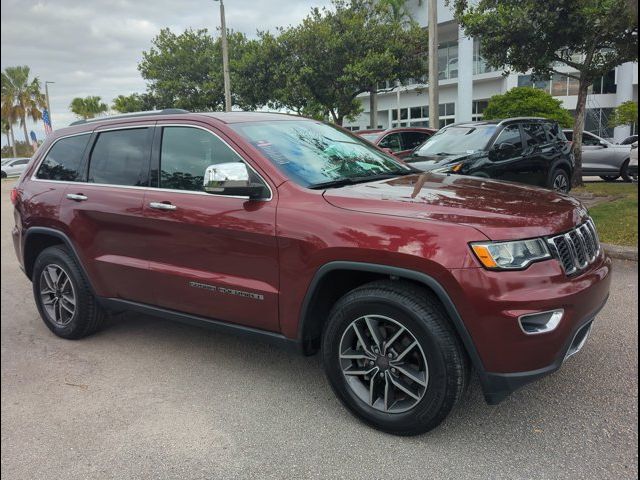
(93, 47)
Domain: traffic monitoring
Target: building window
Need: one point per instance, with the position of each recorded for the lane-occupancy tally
(527, 81)
(478, 109)
(448, 61)
(605, 84)
(420, 115)
(479, 64)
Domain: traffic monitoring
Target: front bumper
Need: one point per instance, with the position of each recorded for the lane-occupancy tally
(491, 303)
(498, 386)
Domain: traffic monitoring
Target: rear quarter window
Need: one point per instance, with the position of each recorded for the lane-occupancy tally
(554, 132)
(63, 159)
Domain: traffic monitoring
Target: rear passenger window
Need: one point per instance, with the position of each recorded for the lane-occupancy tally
(185, 155)
(534, 134)
(554, 133)
(411, 140)
(64, 158)
(121, 157)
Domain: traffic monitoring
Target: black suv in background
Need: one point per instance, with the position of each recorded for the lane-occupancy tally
(526, 150)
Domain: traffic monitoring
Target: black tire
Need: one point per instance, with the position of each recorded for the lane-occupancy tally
(87, 315)
(560, 181)
(423, 316)
(624, 172)
(4, 174)
(610, 178)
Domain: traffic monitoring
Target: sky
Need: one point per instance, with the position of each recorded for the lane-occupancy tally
(93, 47)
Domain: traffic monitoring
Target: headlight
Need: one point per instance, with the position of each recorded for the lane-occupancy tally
(510, 255)
(455, 168)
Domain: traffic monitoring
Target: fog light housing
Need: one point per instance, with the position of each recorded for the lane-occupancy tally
(541, 322)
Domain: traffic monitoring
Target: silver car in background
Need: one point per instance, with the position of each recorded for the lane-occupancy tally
(602, 158)
(13, 167)
(633, 162)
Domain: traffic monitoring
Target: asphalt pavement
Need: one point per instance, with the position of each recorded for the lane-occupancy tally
(146, 398)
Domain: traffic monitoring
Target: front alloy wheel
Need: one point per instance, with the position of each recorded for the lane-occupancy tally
(383, 364)
(561, 182)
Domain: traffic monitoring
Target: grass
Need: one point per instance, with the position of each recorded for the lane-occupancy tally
(617, 220)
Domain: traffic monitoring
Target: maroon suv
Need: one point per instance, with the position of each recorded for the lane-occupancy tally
(303, 234)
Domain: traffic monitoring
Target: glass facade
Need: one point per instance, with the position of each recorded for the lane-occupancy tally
(562, 85)
(448, 61)
(479, 63)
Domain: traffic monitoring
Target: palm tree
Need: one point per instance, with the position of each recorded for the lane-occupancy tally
(9, 118)
(24, 95)
(88, 107)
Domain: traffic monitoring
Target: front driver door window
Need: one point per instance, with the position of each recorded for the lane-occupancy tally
(392, 142)
(210, 255)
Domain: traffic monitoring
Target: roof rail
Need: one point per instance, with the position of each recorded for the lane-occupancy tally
(166, 111)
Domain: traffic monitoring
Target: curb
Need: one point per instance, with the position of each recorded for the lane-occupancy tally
(622, 253)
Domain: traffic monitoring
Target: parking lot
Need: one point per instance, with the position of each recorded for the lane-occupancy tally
(145, 398)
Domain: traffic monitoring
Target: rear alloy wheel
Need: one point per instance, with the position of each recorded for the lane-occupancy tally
(63, 297)
(392, 357)
(560, 181)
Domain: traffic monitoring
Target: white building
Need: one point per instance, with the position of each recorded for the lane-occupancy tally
(466, 83)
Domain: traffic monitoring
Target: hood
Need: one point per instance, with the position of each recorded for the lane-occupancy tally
(500, 210)
(430, 162)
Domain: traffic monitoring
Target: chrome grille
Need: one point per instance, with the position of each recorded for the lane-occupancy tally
(576, 249)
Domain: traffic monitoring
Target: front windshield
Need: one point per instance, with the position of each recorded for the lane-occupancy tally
(313, 153)
(457, 140)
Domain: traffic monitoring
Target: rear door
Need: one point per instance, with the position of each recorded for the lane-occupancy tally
(103, 212)
(210, 255)
(539, 153)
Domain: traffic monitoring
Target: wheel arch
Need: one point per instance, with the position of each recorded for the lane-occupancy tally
(324, 290)
(39, 238)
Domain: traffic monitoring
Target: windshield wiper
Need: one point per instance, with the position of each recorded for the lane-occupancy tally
(341, 182)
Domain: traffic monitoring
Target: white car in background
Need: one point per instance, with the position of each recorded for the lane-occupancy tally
(13, 167)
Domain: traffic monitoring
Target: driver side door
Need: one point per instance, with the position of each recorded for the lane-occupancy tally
(210, 255)
(594, 155)
(506, 161)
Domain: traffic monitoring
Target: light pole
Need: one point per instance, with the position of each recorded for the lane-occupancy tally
(46, 96)
(434, 112)
(225, 59)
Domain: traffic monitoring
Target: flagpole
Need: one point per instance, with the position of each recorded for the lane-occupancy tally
(46, 95)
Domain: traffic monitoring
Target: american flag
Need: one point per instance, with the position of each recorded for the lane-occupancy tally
(47, 122)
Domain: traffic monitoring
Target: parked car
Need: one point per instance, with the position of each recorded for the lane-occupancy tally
(400, 141)
(629, 140)
(526, 150)
(13, 167)
(298, 232)
(602, 158)
(633, 161)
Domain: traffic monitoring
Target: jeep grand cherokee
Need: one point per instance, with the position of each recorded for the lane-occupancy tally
(301, 233)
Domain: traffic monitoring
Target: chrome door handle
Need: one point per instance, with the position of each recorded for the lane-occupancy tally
(78, 197)
(162, 206)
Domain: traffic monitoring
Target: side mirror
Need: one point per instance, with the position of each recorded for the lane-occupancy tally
(232, 179)
(506, 147)
(604, 144)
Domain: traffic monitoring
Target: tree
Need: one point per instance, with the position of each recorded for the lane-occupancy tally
(625, 114)
(17, 149)
(21, 97)
(591, 37)
(184, 71)
(6, 129)
(323, 64)
(527, 102)
(136, 102)
(88, 107)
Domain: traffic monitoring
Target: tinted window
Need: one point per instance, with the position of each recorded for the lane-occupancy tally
(510, 134)
(554, 133)
(569, 135)
(185, 155)
(64, 158)
(20, 162)
(391, 141)
(534, 134)
(411, 140)
(120, 157)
